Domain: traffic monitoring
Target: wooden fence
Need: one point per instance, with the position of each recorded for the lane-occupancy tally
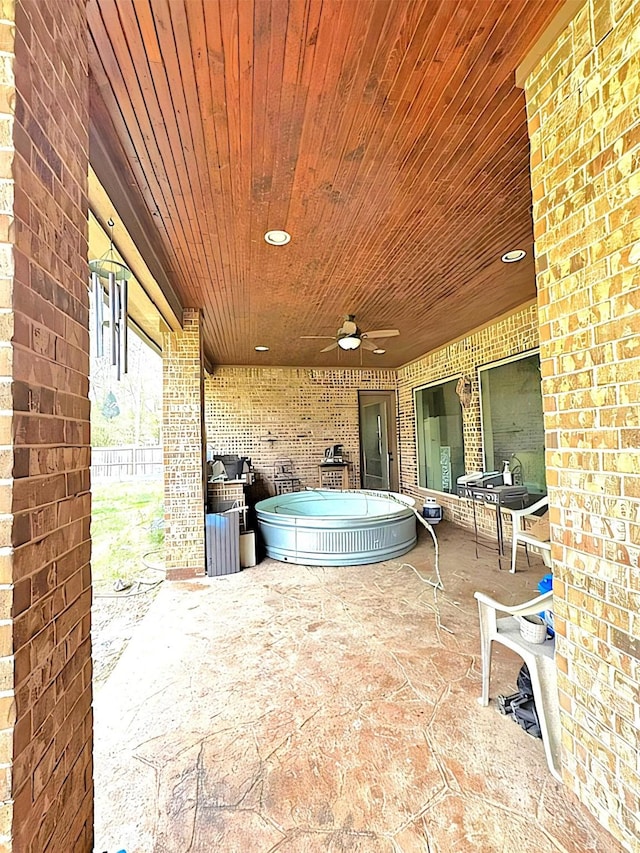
(121, 463)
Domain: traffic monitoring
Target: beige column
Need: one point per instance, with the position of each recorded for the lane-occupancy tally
(583, 101)
(183, 439)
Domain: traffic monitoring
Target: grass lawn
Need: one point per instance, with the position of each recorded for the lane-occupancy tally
(126, 524)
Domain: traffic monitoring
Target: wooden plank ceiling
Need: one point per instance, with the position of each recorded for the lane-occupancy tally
(387, 136)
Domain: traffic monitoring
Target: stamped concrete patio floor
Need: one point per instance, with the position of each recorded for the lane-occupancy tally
(297, 709)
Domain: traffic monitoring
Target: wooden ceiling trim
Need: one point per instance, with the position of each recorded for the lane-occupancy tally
(137, 234)
(104, 97)
(114, 48)
(197, 160)
(445, 226)
(386, 137)
(185, 137)
(145, 98)
(319, 107)
(546, 37)
(310, 185)
(282, 117)
(299, 71)
(204, 119)
(173, 20)
(406, 65)
(489, 179)
(169, 107)
(115, 90)
(269, 195)
(353, 151)
(440, 33)
(232, 148)
(166, 146)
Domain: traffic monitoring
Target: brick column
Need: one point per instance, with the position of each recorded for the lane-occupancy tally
(45, 584)
(583, 101)
(183, 439)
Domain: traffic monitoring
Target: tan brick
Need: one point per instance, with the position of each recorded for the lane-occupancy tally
(588, 225)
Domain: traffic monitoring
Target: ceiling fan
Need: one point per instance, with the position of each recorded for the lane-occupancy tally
(349, 336)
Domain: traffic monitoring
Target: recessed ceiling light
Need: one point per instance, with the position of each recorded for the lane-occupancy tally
(277, 238)
(513, 256)
(261, 349)
(378, 351)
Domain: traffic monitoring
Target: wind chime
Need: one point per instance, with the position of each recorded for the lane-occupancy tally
(110, 272)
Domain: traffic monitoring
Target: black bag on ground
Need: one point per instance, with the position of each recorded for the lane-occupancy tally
(523, 681)
(521, 705)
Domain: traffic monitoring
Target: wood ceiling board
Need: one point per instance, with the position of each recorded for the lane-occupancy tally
(142, 253)
(389, 138)
(106, 115)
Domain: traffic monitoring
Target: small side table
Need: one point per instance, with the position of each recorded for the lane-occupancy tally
(334, 467)
(284, 480)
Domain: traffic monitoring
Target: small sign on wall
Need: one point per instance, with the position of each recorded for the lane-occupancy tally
(445, 467)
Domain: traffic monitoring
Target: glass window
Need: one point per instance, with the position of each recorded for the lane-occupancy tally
(439, 436)
(512, 422)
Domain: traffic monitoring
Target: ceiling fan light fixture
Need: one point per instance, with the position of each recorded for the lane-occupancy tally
(378, 351)
(277, 238)
(261, 348)
(349, 342)
(513, 256)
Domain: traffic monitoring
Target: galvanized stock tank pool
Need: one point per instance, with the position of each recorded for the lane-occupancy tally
(321, 527)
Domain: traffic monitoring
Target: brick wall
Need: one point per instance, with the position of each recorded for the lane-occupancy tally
(293, 413)
(182, 433)
(7, 681)
(273, 413)
(508, 336)
(45, 702)
(583, 102)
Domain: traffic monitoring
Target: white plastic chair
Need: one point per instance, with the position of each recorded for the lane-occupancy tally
(521, 536)
(539, 658)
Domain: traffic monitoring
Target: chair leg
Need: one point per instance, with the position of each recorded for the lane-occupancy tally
(545, 696)
(488, 630)
(485, 654)
(514, 553)
(486, 671)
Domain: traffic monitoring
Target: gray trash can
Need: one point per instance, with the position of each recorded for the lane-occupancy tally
(222, 540)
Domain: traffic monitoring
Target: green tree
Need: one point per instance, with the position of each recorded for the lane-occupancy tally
(128, 411)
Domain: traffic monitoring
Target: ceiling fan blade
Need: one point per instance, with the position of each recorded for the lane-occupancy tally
(317, 337)
(330, 347)
(368, 344)
(383, 333)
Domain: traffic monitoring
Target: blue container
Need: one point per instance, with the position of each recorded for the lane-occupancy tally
(545, 585)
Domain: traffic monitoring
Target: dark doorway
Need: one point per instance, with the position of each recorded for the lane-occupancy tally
(378, 441)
